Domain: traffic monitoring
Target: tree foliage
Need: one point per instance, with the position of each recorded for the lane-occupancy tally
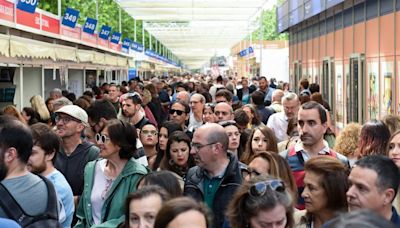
(269, 27)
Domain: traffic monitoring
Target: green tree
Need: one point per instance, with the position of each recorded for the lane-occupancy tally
(269, 27)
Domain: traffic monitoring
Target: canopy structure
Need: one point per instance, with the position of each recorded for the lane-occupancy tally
(196, 30)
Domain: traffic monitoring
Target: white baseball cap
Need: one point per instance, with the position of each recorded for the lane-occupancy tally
(74, 111)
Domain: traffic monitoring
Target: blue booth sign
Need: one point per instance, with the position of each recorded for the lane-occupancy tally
(27, 5)
(116, 37)
(105, 32)
(126, 43)
(90, 25)
(246, 51)
(137, 47)
(70, 17)
(132, 73)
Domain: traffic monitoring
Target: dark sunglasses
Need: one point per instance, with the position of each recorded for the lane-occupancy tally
(101, 138)
(251, 172)
(179, 112)
(260, 188)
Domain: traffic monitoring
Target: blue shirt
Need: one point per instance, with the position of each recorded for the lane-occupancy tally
(8, 223)
(64, 196)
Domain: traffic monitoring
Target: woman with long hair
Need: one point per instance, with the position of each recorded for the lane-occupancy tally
(38, 104)
(261, 139)
(374, 138)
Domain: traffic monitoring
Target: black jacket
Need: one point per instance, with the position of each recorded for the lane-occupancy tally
(239, 92)
(230, 182)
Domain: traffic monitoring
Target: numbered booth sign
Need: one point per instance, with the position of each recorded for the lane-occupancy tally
(105, 32)
(27, 5)
(90, 25)
(70, 17)
(126, 43)
(116, 36)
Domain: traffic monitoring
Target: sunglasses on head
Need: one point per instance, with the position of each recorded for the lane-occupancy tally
(260, 188)
(178, 112)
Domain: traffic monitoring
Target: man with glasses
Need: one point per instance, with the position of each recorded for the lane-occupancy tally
(218, 173)
(75, 152)
(197, 102)
(179, 113)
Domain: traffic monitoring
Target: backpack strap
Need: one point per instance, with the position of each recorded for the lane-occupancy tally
(16, 213)
(11, 207)
(52, 210)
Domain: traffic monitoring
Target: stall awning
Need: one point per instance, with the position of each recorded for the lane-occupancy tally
(122, 61)
(28, 48)
(111, 60)
(5, 45)
(65, 53)
(84, 56)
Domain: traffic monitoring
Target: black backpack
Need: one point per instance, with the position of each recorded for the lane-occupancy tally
(14, 211)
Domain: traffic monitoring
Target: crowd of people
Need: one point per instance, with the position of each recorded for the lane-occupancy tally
(195, 151)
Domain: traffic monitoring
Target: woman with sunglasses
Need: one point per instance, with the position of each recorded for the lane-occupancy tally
(149, 138)
(108, 180)
(261, 202)
(177, 157)
(325, 187)
(271, 163)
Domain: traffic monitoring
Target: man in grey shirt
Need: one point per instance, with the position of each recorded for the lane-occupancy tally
(29, 190)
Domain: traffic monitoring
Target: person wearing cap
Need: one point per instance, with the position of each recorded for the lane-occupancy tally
(74, 153)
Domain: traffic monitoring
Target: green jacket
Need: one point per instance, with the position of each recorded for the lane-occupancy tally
(113, 210)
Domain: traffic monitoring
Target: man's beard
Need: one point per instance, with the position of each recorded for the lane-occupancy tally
(38, 169)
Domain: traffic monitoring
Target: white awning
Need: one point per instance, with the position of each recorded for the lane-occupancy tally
(196, 30)
(5, 45)
(28, 48)
(85, 55)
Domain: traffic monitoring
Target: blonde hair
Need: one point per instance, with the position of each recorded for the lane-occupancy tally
(347, 141)
(40, 107)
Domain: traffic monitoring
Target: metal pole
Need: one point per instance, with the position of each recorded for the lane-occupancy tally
(119, 22)
(134, 36)
(261, 41)
(143, 35)
(97, 10)
(150, 42)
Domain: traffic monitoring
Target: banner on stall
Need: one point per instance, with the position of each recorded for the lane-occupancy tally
(115, 37)
(105, 32)
(27, 5)
(90, 25)
(70, 17)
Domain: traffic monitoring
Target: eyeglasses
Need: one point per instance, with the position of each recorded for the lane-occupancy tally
(178, 112)
(65, 119)
(147, 132)
(196, 146)
(101, 138)
(260, 188)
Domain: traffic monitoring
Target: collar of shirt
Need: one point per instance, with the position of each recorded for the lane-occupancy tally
(219, 176)
(299, 147)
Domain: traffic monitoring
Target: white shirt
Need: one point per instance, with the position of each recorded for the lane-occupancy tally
(278, 122)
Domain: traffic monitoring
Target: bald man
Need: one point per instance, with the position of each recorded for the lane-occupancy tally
(218, 173)
(183, 96)
(223, 111)
(276, 104)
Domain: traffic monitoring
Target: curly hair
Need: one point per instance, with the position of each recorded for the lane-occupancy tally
(347, 141)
